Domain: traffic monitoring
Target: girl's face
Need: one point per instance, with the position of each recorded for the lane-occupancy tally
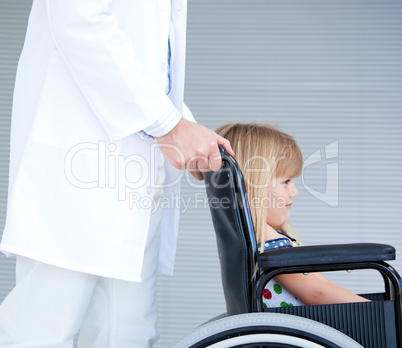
(281, 191)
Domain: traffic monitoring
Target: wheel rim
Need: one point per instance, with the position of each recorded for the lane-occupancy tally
(283, 340)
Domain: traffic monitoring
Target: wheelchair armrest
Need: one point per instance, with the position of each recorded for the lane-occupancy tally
(326, 254)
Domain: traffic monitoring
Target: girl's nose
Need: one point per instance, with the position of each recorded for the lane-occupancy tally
(294, 192)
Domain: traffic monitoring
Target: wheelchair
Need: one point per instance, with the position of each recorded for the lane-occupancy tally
(374, 324)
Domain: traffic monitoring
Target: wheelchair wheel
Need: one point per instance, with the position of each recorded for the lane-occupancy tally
(263, 330)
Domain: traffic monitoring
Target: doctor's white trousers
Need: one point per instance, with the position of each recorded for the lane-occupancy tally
(49, 305)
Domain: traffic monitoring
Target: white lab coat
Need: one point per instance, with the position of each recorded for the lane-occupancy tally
(91, 75)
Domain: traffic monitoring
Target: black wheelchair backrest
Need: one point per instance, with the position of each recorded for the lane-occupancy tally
(234, 233)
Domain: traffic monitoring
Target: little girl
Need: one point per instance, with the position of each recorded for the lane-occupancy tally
(270, 161)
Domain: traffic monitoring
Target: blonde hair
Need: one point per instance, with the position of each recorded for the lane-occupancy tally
(262, 152)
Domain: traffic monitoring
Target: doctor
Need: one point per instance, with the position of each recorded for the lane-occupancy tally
(99, 133)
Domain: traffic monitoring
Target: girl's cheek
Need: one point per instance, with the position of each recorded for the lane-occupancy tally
(280, 202)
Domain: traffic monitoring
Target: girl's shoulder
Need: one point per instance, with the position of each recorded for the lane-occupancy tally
(277, 243)
(293, 241)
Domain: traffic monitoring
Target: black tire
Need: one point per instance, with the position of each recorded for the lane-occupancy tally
(265, 330)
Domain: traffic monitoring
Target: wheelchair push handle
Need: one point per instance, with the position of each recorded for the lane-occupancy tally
(226, 156)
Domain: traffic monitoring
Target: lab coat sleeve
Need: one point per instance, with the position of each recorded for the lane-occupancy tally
(163, 125)
(166, 124)
(104, 64)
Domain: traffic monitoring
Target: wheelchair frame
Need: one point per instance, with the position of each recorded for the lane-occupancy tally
(370, 324)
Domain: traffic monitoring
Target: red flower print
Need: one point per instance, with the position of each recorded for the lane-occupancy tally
(267, 294)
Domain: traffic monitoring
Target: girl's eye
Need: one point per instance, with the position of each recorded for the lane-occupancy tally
(287, 182)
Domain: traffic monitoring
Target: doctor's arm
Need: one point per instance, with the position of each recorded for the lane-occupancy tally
(120, 90)
(107, 67)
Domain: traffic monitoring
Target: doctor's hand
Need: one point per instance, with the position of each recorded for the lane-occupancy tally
(193, 147)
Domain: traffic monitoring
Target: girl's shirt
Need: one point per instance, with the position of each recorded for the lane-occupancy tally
(274, 294)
